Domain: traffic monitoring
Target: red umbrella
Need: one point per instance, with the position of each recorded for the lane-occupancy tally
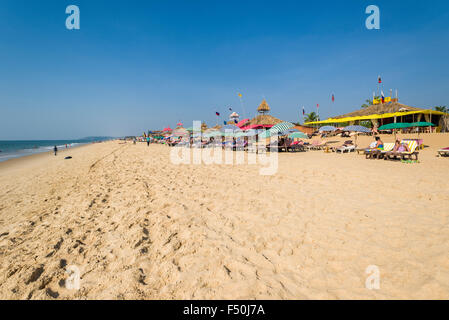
(167, 129)
(242, 123)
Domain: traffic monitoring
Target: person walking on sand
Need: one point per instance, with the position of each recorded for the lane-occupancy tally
(55, 149)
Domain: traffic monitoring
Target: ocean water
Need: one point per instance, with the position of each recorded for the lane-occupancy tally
(17, 149)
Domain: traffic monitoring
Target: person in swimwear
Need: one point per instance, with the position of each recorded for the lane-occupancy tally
(400, 147)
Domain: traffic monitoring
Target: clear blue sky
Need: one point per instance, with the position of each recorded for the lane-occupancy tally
(138, 65)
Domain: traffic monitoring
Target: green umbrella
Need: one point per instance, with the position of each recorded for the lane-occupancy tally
(298, 135)
(422, 124)
(393, 126)
(398, 125)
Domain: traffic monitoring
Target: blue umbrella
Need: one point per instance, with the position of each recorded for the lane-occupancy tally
(357, 129)
(327, 129)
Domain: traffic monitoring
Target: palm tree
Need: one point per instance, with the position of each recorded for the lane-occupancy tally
(442, 109)
(369, 102)
(311, 117)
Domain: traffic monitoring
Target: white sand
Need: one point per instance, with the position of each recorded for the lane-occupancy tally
(139, 227)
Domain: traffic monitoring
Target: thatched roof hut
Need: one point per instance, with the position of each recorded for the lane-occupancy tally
(264, 120)
(263, 107)
(380, 109)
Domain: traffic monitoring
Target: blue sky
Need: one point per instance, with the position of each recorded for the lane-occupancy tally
(138, 65)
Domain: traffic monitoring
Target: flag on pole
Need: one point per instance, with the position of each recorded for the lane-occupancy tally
(217, 113)
(230, 109)
(303, 111)
(383, 96)
(317, 106)
(333, 98)
(379, 79)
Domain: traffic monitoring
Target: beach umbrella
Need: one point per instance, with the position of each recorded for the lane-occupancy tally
(281, 127)
(392, 126)
(422, 124)
(242, 123)
(327, 129)
(357, 129)
(298, 135)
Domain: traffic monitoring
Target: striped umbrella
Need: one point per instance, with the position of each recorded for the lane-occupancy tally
(281, 127)
(327, 129)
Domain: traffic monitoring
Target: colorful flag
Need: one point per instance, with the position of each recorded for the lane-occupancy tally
(240, 95)
(317, 106)
(303, 111)
(379, 79)
(333, 98)
(383, 96)
(217, 113)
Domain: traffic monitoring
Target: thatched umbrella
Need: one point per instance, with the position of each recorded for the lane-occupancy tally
(263, 107)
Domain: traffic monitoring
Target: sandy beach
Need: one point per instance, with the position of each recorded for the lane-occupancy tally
(140, 227)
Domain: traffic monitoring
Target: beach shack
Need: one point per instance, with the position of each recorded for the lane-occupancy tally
(381, 114)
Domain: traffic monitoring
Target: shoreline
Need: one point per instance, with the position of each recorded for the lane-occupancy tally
(41, 155)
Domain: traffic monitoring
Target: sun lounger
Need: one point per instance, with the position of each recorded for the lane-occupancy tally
(344, 149)
(379, 153)
(443, 152)
(412, 146)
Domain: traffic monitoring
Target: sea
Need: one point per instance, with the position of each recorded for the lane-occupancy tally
(16, 149)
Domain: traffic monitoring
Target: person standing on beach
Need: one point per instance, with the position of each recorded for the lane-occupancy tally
(148, 141)
(55, 149)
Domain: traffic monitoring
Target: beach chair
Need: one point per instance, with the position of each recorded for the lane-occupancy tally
(345, 148)
(406, 155)
(444, 152)
(297, 146)
(380, 153)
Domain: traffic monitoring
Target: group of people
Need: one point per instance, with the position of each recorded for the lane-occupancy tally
(398, 146)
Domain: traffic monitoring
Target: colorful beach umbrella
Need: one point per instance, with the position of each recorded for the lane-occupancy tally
(282, 127)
